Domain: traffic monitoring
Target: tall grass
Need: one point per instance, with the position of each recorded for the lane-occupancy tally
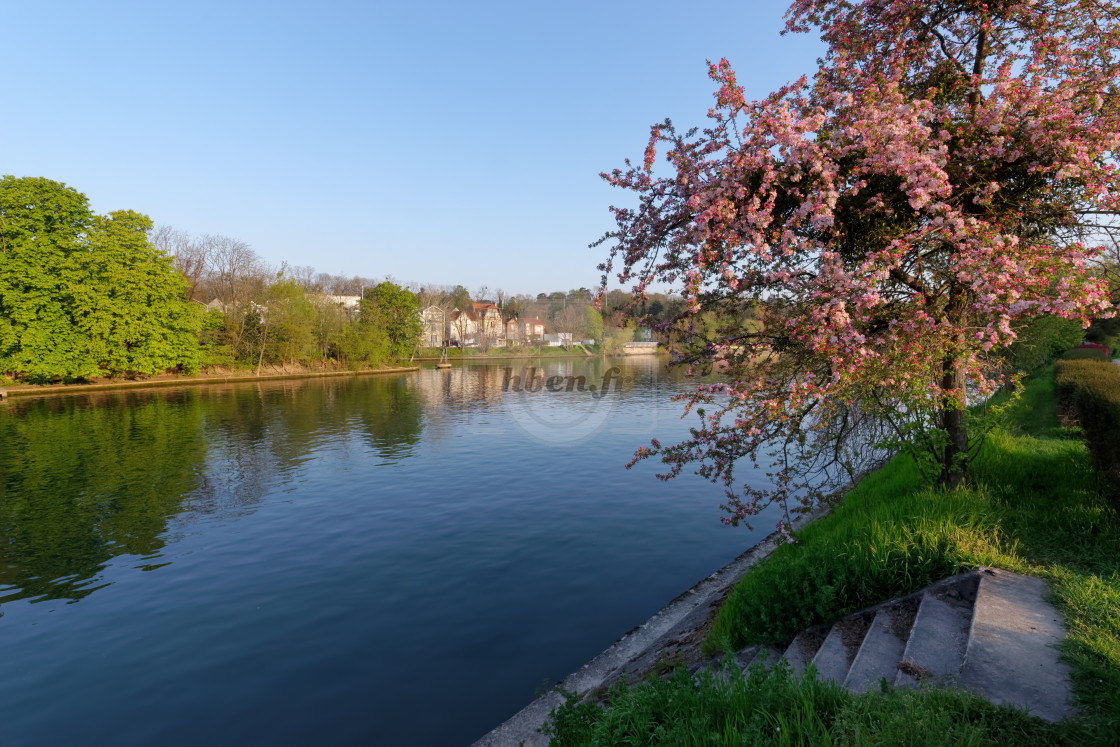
(891, 536)
(774, 708)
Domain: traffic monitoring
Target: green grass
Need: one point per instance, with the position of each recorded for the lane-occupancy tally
(1034, 505)
(774, 708)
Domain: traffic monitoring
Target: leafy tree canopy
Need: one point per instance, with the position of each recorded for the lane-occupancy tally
(399, 313)
(84, 295)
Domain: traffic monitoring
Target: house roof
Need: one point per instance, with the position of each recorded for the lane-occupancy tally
(457, 313)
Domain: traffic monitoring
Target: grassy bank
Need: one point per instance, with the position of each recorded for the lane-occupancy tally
(1035, 506)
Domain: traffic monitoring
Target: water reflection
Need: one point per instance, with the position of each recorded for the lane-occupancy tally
(85, 479)
(313, 544)
(392, 417)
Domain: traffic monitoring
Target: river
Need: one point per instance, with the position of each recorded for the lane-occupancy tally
(399, 559)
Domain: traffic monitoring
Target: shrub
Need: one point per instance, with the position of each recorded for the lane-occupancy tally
(1070, 374)
(1086, 352)
(1089, 392)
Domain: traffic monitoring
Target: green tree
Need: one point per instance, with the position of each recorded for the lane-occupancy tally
(364, 341)
(1041, 340)
(292, 322)
(399, 315)
(594, 323)
(616, 336)
(42, 225)
(130, 301)
(214, 342)
(331, 323)
(460, 298)
(83, 295)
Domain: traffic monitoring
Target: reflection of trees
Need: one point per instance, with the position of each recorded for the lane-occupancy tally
(84, 479)
(392, 415)
(247, 450)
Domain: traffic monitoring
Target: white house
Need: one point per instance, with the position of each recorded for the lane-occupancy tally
(558, 339)
(489, 319)
(462, 327)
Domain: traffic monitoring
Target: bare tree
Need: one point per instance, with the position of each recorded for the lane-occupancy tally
(352, 286)
(189, 257)
(572, 320)
(463, 323)
(238, 271)
(430, 296)
(307, 278)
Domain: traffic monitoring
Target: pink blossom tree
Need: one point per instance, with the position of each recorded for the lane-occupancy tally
(889, 220)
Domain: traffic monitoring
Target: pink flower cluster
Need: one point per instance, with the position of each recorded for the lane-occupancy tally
(896, 216)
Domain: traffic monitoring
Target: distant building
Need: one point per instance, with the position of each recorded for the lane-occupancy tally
(462, 327)
(489, 319)
(530, 329)
(434, 321)
(350, 304)
(557, 339)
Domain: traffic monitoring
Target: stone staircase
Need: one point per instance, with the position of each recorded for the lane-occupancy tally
(988, 631)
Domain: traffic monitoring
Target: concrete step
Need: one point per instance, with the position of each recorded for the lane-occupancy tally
(882, 647)
(744, 656)
(835, 657)
(766, 657)
(804, 647)
(935, 648)
(990, 631)
(1012, 654)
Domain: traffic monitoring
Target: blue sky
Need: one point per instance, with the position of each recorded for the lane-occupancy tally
(437, 143)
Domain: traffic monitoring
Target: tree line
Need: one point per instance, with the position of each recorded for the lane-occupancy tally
(86, 296)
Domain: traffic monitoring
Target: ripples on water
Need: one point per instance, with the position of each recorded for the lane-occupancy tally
(389, 560)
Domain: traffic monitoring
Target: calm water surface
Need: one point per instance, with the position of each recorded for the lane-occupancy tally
(376, 560)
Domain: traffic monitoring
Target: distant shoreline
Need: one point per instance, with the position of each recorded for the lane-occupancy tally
(456, 359)
(45, 390)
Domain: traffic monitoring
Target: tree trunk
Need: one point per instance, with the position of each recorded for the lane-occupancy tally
(264, 341)
(953, 464)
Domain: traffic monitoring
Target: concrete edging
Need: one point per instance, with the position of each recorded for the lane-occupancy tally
(61, 389)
